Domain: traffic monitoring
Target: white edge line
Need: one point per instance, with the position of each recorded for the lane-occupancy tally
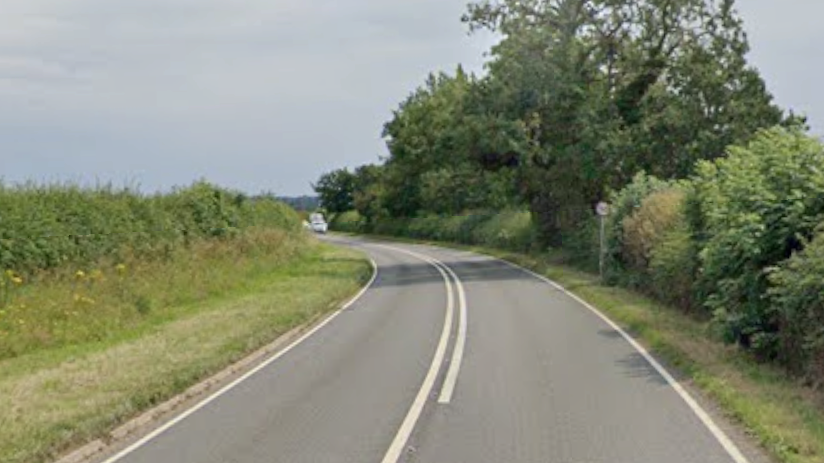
(247, 375)
(699, 411)
(395, 450)
(458, 353)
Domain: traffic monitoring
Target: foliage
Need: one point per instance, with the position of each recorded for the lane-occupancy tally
(99, 301)
(672, 268)
(624, 205)
(336, 190)
(606, 89)
(434, 140)
(350, 221)
(757, 207)
(45, 227)
(797, 296)
(507, 229)
(634, 102)
(644, 229)
(510, 229)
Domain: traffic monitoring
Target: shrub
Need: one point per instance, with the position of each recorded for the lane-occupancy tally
(756, 207)
(350, 222)
(624, 204)
(645, 228)
(797, 296)
(672, 267)
(45, 227)
(508, 229)
(511, 230)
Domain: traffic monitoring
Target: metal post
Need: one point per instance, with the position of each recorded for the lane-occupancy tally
(602, 209)
(603, 248)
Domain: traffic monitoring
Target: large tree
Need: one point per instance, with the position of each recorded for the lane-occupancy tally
(433, 140)
(605, 88)
(335, 190)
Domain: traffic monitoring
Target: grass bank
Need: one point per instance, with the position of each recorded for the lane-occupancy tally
(785, 416)
(83, 350)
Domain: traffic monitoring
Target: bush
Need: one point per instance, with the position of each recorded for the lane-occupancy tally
(508, 229)
(672, 267)
(645, 228)
(624, 204)
(350, 222)
(756, 207)
(797, 296)
(44, 227)
(581, 247)
(511, 230)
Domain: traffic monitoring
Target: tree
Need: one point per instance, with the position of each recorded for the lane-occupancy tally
(436, 140)
(605, 88)
(335, 190)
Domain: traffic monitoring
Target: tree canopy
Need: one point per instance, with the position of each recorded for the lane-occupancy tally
(578, 97)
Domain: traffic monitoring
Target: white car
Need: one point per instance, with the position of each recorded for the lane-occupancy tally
(319, 225)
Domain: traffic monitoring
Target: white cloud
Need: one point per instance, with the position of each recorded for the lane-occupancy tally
(262, 94)
(786, 40)
(252, 93)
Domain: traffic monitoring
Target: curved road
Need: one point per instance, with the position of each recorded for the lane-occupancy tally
(450, 357)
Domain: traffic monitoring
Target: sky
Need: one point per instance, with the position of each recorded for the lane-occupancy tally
(263, 95)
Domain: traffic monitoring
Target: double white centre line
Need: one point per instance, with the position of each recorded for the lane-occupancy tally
(448, 389)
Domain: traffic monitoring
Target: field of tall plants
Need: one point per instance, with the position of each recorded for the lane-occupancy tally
(82, 264)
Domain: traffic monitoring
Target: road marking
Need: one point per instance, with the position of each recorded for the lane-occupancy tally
(732, 450)
(458, 353)
(393, 454)
(246, 376)
(448, 388)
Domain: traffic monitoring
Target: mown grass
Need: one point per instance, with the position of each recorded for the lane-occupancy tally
(785, 416)
(84, 352)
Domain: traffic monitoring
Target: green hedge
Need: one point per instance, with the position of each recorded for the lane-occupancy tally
(756, 208)
(733, 242)
(43, 227)
(797, 295)
(349, 222)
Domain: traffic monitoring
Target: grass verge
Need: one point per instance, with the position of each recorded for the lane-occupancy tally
(785, 417)
(56, 397)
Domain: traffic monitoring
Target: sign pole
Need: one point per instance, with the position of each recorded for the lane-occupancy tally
(601, 254)
(602, 209)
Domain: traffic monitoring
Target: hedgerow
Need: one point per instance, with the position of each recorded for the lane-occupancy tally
(757, 207)
(46, 226)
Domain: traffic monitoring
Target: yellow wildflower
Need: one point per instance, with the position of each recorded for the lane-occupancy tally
(17, 280)
(121, 268)
(80, 274)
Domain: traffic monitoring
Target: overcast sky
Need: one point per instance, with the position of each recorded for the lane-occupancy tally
(263, 94)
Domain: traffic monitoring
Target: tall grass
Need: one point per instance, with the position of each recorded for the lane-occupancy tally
(80, 265)
(46, 226)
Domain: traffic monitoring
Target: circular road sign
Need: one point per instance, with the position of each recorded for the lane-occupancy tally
(602, 209)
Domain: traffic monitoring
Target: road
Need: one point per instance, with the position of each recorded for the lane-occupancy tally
(450, 357)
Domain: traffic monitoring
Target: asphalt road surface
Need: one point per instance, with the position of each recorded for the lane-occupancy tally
(450, 357)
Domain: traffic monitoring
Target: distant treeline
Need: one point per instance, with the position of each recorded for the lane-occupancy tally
(301, 203)
(717, 194)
